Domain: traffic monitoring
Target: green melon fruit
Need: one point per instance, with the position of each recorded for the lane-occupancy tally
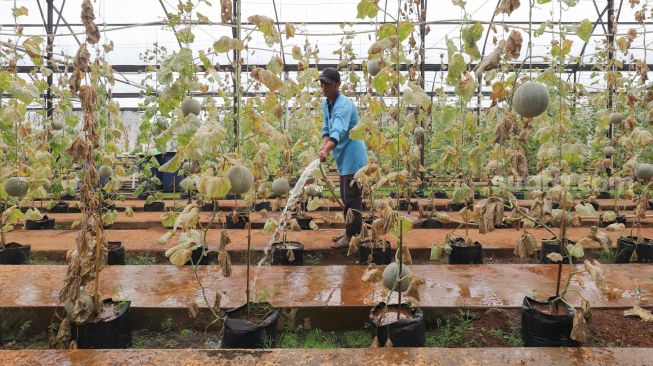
(156, 131)
(189, 106)
(390, 277)
(644, 172)
(616, 118)
(57, 124)
(608, 151)
(374, 66)
(16, 186)
(280, 186)
(105, 171)
(530, 99)
(241, 179)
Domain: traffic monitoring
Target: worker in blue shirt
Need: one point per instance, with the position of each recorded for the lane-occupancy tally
(340, 116)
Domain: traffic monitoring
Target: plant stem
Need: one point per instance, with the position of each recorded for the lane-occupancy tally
(249, 243)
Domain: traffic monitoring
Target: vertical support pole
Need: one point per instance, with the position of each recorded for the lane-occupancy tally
(236, 56)
(611, 32)
(48, 57)
(422, 55)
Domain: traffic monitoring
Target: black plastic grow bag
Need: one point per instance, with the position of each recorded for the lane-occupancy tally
(15, 253)
(281, 253)
(619, 220)
(241, 333)
(60, 207)
(553, 246)
(265, 205)
(625, 249)
(209, 206)
(518, 195)
(45, 223)
(462, 254)
(196, 256)
(116, 253)
(455, 206)
(540, 329)
(154, 206)
(303, 221)
(431, 223)
(380, 256)
(645, 251)
(440, 194)
(405, 332)
(239, 222)
(112, 333)
(403, 205)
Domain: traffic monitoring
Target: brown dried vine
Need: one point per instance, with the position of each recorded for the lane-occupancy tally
(90, 254)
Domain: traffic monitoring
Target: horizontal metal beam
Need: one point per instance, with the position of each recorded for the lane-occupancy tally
(293, 67)
(430, 22)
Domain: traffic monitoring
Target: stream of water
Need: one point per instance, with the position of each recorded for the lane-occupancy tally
(294, 195)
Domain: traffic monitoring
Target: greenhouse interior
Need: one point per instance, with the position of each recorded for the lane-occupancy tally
(283, 182)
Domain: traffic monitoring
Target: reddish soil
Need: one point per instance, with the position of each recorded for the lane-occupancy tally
(607, 328)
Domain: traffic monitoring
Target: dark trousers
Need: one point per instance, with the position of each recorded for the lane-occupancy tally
(351, 198)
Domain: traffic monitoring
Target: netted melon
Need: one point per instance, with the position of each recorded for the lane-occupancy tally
(644, 172)
(105, 171)
(188, 184)
(241, 179)
(530, 99)
(189, 106)
(57, 124)
(390, 277)
(608, 151)
(616, 118)
(16, 186)
(280, 186)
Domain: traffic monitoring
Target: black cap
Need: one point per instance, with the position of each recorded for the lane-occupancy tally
(330, 75)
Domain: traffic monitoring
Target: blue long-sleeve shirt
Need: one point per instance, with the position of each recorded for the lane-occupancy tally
(350, 155)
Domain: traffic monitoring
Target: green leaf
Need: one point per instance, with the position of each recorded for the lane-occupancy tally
(404, 223)
(367, 8)
(584, 30)
(12, 215)
(457, 66)
(168, 219)
(405, 29)
(470, 36)
(270, 226)
(173, 164)
(313, 204)
(387, 30)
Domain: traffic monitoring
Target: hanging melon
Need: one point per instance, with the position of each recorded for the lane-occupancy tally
(280, 186)
(374, 66)
(241, 179)
(530, 99)
(608, 151)
(190, 167)
(189, 106)
(16, 186)
(390, 277)
(57, 124)
(188, 184)
(105, 171)
(616, 118)
(644, 172)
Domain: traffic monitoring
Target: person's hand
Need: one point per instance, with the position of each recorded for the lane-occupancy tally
(322, 154)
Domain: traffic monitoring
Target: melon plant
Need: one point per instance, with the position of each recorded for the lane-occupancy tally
(530, 99)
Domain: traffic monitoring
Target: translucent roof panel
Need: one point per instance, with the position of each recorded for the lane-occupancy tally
(135, 26)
